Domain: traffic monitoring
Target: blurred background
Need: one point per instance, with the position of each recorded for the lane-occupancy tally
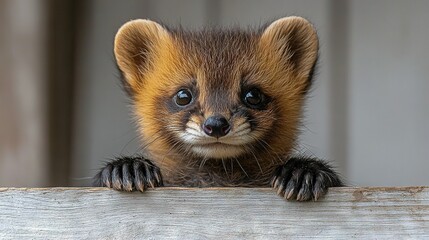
(62, 111)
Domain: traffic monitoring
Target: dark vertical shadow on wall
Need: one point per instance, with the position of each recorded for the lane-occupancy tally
(339, 103)
(63, 20)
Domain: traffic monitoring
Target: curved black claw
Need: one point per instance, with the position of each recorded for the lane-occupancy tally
(129, 174)
(304, 179)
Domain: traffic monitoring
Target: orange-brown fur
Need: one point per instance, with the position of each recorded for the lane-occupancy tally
(156, 62)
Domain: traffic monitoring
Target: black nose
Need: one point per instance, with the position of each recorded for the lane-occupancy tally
(216, 126)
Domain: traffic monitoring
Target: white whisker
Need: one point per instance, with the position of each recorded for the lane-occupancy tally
(238, 162)
(242, 126)
(193, 131)
(242, 133)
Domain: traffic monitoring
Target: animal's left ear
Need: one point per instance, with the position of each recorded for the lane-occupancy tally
(295, 41)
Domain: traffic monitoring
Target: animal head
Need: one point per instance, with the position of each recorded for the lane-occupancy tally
(217, 94)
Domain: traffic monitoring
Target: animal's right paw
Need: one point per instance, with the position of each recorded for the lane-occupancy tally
(129, 174)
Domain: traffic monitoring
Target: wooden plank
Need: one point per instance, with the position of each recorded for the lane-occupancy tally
(213, 213)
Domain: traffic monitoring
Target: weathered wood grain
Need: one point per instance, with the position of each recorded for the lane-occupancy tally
(214, 213)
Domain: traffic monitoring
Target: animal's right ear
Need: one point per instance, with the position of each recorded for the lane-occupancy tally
(135, 44)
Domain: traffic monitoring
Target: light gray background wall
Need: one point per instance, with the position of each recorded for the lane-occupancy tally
(368, 110)
(23, 132)
(388, 93)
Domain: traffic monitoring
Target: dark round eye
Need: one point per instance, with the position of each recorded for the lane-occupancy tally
(254, 98)
(183, 97)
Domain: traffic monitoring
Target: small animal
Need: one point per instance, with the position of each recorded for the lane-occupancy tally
(218, 107)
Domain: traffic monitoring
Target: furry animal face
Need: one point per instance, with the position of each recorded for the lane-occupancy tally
(217, 94)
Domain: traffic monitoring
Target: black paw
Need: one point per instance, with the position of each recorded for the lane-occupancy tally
(304, 179)
(129, 174)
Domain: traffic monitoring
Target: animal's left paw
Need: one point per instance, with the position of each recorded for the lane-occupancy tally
(304, 179)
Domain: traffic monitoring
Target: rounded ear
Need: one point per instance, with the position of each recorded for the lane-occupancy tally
(296, 42)
(135, 42)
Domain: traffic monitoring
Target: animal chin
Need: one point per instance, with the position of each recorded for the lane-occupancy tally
(218, 150)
